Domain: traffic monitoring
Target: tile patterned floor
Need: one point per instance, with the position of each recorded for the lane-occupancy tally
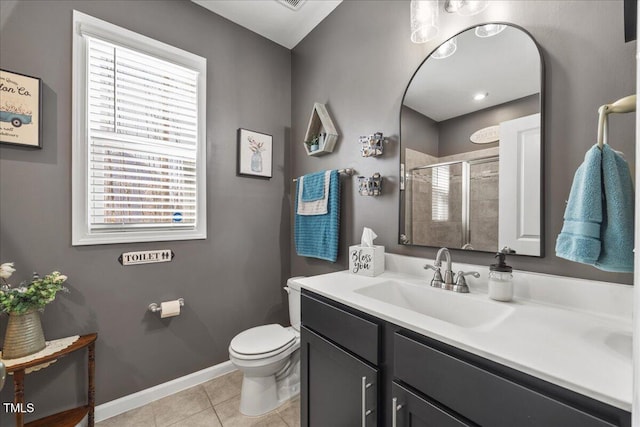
(215, 403)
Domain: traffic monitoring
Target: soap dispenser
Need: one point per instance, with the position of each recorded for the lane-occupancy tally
(500, 279)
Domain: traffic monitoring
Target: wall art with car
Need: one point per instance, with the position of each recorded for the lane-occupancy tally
(20, 109)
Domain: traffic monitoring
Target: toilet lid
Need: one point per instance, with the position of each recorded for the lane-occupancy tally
(262, 339)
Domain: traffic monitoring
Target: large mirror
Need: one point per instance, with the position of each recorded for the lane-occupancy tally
(471, 145)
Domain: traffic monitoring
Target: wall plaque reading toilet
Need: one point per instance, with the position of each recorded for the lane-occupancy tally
(146, 257)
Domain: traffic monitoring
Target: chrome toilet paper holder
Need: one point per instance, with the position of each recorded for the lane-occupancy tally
(156, 308)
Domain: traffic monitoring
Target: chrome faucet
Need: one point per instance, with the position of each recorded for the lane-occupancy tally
(447, 283)
(438, 281)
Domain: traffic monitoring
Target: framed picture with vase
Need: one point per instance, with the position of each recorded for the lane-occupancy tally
(255, 154)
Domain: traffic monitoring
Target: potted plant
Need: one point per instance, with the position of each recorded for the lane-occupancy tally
(23, 304)
(313, 143)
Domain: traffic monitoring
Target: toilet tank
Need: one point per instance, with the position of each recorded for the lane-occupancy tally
(293, 289)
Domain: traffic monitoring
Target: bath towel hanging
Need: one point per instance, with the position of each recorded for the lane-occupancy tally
(317, 236)
(598, 224)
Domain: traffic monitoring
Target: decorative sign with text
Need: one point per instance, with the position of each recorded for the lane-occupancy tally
(20, 109)
(486, 135)
(368, 261)
(146, 257)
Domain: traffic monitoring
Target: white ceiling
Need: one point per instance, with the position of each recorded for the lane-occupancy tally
(507, 66)
(272, 19)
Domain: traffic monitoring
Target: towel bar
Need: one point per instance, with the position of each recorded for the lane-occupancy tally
(347, 171)
(622, 105)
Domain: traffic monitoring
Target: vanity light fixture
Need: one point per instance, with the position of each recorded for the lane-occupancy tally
(480, 96)
(465, 7)
(424, 16)
(424, 20)
(446, 49)
(489, 30)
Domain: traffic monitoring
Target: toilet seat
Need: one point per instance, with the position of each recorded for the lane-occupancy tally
(262, 342)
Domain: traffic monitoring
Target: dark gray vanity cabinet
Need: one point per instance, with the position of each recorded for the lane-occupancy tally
(356, 367)
(339, 384)
(411, 410)
(475, 393)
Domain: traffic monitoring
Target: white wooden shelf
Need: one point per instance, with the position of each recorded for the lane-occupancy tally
(321, 123)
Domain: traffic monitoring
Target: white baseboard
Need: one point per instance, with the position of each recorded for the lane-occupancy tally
(143, 397)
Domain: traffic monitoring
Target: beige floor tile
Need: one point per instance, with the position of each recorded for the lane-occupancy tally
(139, 417)
(179, 406)
(206, 418)
(224, 387)
(290, 412)
(230, 416)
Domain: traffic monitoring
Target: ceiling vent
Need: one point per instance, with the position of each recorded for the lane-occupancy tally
(292, 4)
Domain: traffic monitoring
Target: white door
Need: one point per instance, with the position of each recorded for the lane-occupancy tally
(519, 185)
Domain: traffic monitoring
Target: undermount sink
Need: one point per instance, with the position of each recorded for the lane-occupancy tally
(458, 309)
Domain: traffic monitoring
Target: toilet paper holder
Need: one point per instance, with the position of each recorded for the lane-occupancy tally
(155, 308)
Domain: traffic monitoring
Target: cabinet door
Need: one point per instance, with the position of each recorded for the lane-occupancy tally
(338, 389)
(410, 410)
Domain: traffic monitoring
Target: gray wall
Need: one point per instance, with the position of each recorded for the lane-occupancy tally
(587, 64)
(230, 281)
(419, 132)
(454, 133)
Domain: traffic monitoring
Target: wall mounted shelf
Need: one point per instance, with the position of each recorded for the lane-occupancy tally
(321, 126)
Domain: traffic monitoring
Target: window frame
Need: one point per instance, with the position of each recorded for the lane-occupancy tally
(82, 234)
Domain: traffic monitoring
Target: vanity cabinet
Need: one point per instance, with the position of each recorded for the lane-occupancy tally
(411, 410)
(481, 396)
(339, 384)
(357, 367)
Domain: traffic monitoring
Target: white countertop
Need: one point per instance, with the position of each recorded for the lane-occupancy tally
(586, 347)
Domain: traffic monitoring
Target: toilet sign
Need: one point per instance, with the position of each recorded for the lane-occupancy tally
(146, 257)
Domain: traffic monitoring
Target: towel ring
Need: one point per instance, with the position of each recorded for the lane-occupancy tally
(622, 105)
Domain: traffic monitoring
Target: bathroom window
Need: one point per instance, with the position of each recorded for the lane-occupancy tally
(440, 193)
(139, 138)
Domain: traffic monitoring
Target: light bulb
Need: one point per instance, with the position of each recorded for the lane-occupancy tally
(446, 49)
(489, 30)
(480, 96)
(424, 20)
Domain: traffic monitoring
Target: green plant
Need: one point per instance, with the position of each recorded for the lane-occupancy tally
(313, 140)
(30, 295)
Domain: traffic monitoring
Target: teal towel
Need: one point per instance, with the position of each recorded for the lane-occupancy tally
(313, 187)
(317, 236)
(598, 220)
(617, 230)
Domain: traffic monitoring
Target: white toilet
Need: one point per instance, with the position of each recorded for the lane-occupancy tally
(269, 358)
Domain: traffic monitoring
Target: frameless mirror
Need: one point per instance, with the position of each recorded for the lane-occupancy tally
(471, 145)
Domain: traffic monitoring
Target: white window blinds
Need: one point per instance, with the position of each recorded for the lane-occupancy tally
(142, 124)
(440, 193)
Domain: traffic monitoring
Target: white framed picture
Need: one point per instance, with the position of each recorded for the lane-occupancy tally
(255, 154)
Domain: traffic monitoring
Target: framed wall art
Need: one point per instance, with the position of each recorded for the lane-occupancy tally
(20, 109)
(255, 154)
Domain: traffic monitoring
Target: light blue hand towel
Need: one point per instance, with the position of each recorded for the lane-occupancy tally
(313, 188)
(579, 239)
(317, 236)
(617, 230)
(599, 219)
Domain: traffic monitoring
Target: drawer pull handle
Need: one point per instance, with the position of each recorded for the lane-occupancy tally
(365, 412)
(394, 411)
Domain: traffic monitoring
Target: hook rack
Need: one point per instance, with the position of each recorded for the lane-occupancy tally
(622, 105)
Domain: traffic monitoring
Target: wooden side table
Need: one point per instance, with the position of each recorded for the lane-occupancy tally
(67, 418)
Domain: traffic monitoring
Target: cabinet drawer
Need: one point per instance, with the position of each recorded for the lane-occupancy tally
(412, 410)
(479, 395)
(352, 332)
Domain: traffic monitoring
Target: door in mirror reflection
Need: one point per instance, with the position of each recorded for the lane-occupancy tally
(480, 192)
